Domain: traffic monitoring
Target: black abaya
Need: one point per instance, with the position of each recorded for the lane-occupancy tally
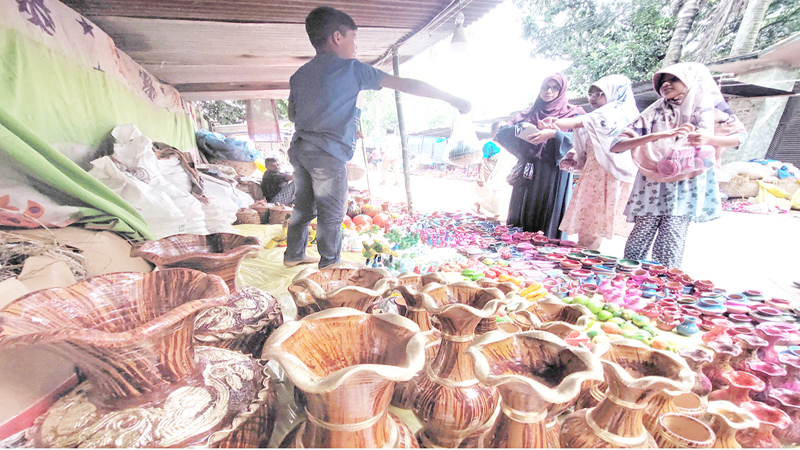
(539, 203)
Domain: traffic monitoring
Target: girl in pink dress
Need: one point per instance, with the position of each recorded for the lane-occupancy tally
(596, 210)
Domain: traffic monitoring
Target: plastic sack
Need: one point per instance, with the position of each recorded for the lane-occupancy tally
(769, 194)
(795, 200)
(682, 160)
(217, 147)
(155, 207)
(135, 174)
(463, 147)
(750, 170)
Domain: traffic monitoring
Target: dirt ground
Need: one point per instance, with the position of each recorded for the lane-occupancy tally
(737, 252)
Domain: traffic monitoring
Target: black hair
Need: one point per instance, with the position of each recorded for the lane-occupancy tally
(270, 160)
(323, 21)
(496, 126)
(390, 131)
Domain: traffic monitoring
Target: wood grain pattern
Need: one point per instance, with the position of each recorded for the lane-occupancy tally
(726, 420)
(346, 363)
(131, 334)
(679, 431)
(339, 285)
(538, 376)
(218, 254)
(553, 316)
(687, 404)
(633, 373)
(447, 398)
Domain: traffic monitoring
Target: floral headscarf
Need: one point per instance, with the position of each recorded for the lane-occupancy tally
(695, 105)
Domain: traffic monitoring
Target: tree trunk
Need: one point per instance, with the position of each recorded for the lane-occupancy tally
(686, 17)
(751, 24)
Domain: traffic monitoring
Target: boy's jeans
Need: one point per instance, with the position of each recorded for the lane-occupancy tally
(320, 191)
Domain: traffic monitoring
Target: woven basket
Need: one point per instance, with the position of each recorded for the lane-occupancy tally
(243, 168)
(252, 187)
(279, 213)
(739, 187)
(247, 216)
(263, 210)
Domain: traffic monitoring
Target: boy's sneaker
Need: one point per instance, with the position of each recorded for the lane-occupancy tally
(306, 260)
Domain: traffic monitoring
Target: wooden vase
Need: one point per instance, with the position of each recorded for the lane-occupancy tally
(537, 374)
(788, 401)
(346, 363)
(339, 285)
(634, 373)
(409, 285)
(770, 419)
(679, 431)
(554, 316)
(687, 404)
(131, 336)
(726, 420)
(447, 397)
(250, 314)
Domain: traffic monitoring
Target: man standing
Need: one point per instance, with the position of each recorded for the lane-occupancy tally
(392, 150)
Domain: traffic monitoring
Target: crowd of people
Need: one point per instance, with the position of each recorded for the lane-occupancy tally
(641, 175)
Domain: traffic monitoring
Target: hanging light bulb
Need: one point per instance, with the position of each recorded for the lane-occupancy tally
(459, 42)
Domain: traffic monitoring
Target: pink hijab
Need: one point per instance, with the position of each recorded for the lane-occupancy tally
(558, 108)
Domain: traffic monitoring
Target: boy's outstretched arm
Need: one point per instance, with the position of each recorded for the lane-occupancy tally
(423, 89)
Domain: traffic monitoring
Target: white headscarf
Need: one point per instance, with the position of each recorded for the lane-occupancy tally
(605, 123)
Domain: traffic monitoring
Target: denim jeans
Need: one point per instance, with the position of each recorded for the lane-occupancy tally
(320, 191)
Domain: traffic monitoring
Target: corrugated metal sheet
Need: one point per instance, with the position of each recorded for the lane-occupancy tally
(248, 49)
(785, 145)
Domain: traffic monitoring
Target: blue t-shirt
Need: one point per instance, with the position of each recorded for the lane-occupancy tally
(323, 101)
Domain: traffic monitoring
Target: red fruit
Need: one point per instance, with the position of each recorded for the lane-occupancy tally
(362, 219)
(380, 220)
(348, 222)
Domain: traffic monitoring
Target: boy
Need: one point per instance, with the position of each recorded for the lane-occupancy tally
(323, 105)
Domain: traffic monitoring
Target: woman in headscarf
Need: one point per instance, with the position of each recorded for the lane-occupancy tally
(597, 208)
(541, 190)
(672, 189)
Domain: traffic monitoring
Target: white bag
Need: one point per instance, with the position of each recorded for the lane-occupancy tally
(463, 147)
(135, 174)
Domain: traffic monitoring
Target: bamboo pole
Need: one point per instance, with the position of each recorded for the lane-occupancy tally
(403, 137)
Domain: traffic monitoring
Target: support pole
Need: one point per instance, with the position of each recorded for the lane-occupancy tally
(366, 162)
(402, 128)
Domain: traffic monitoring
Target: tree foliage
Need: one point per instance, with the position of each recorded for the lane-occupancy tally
(600, 37)
(224, 112)
(782, 21)
(631, 37)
